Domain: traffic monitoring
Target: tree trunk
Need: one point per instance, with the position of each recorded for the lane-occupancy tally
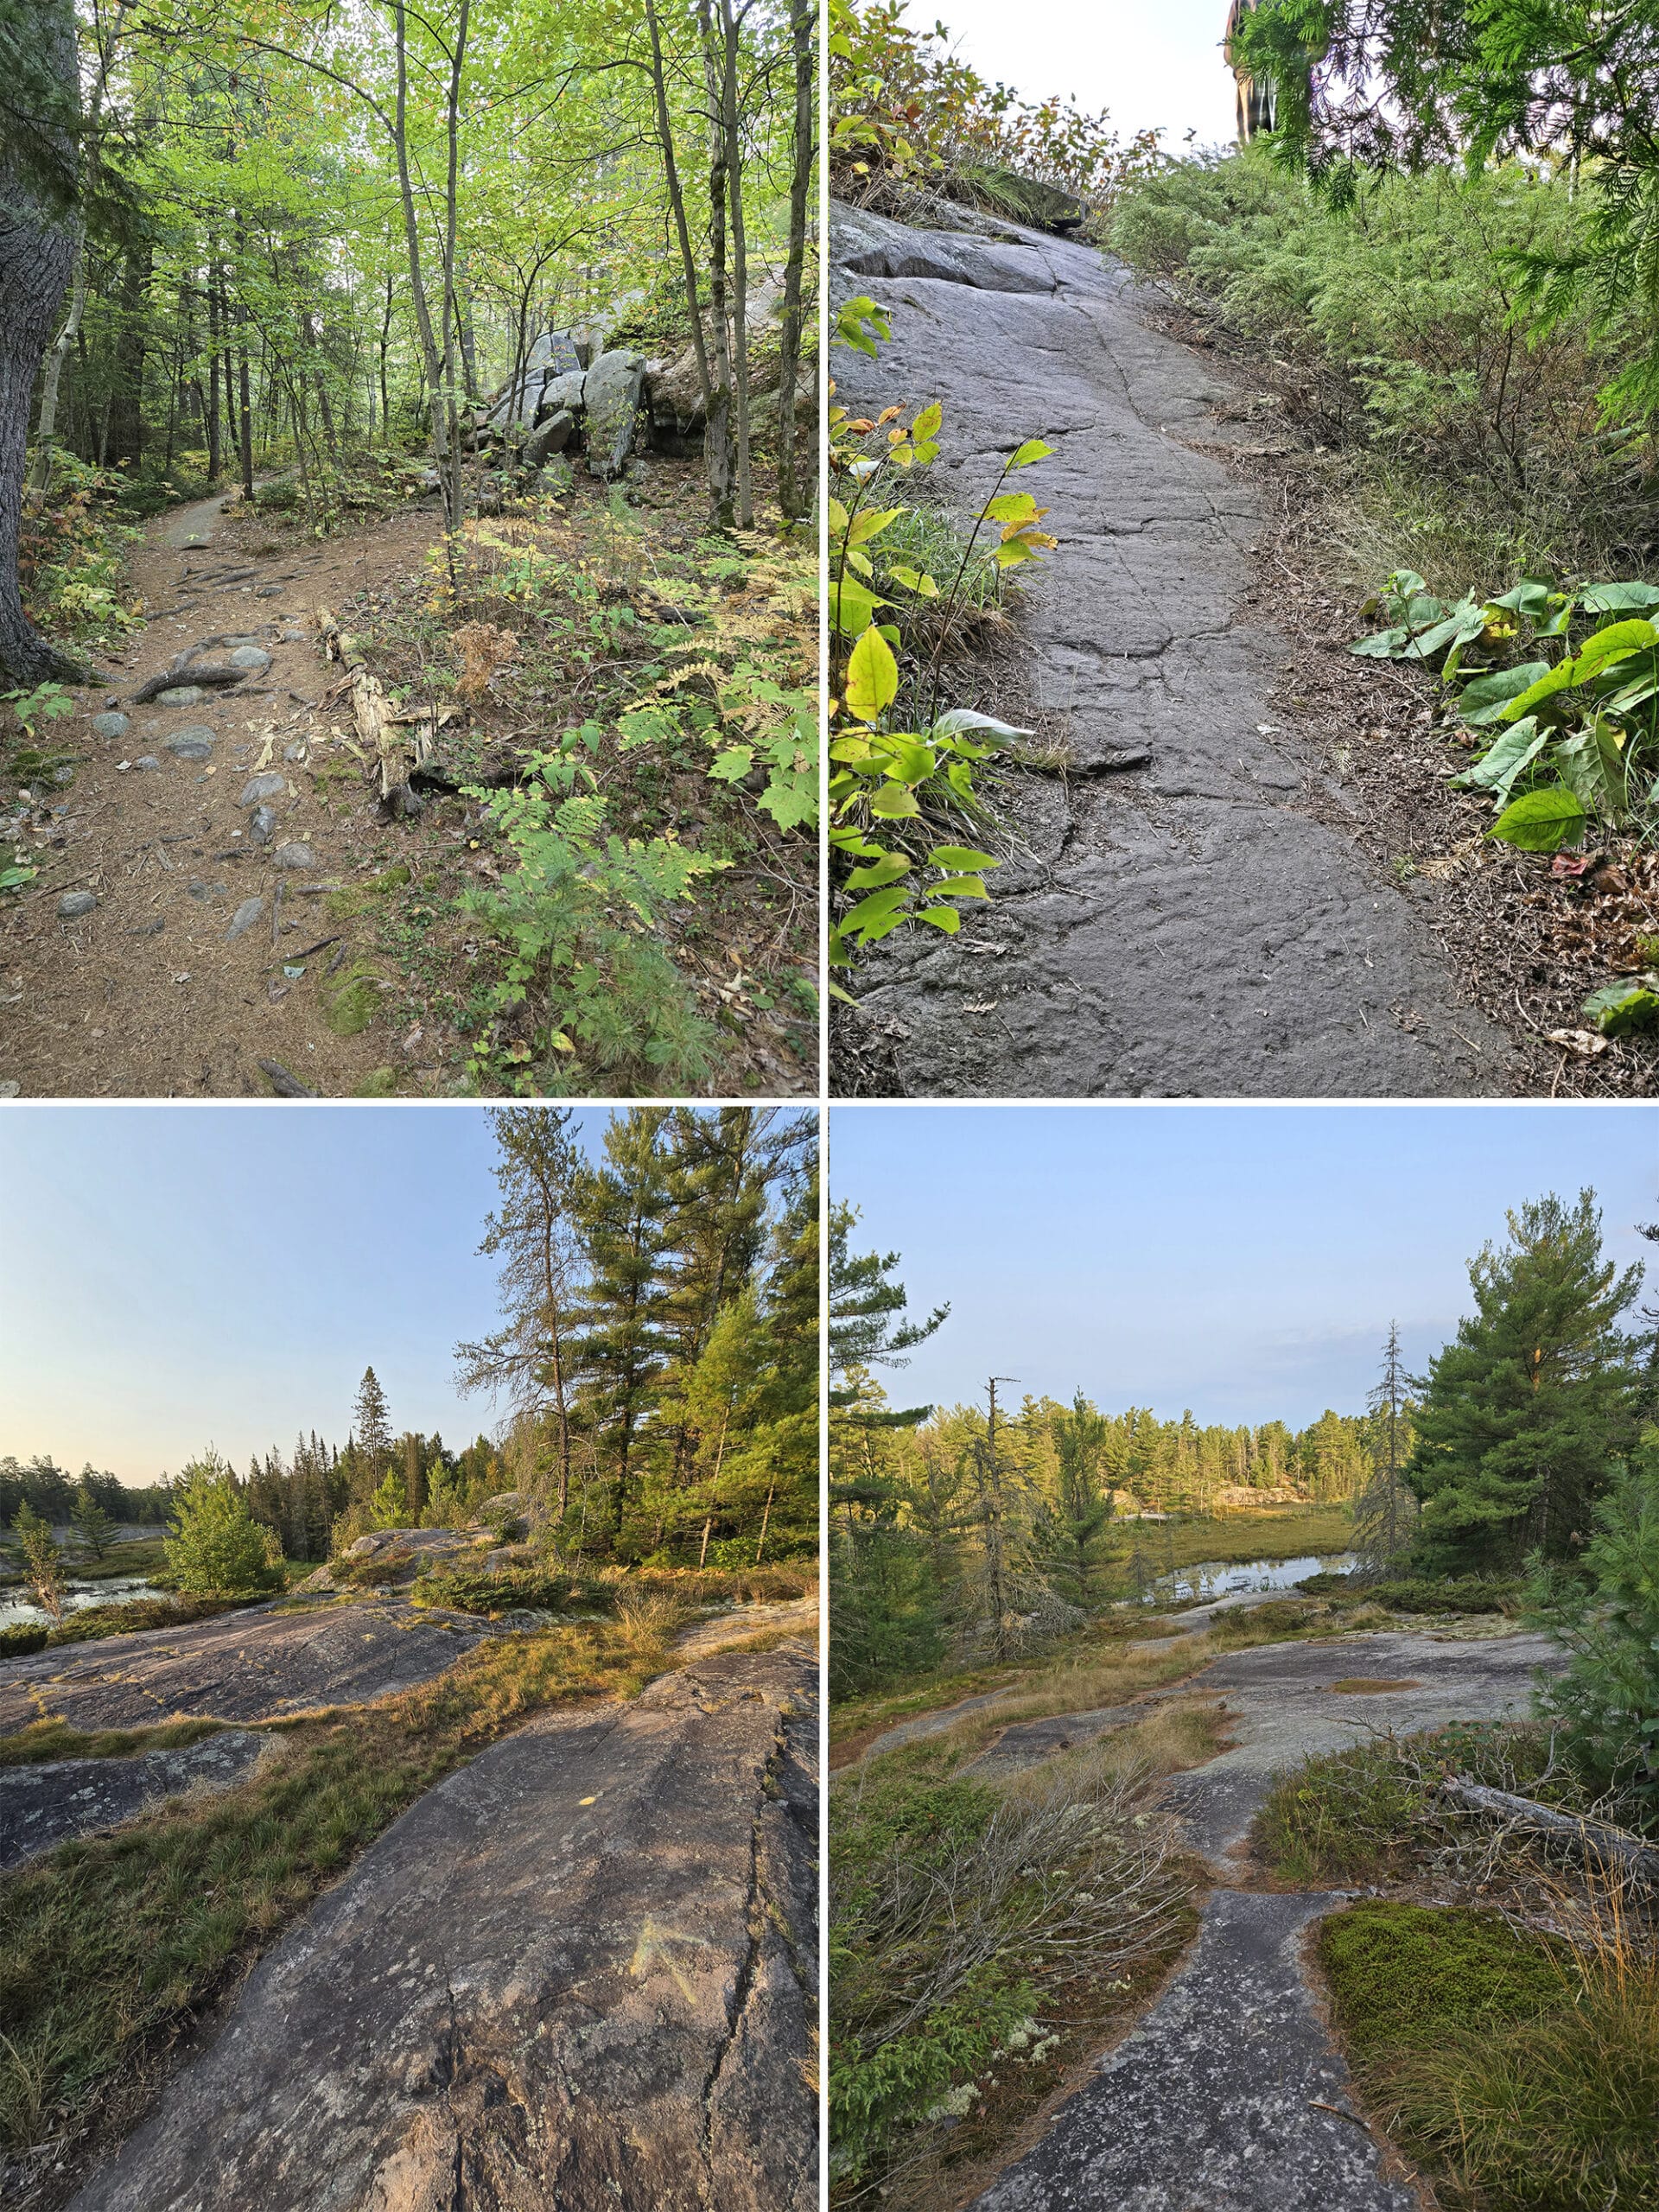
(718, 457)
(432, 359)
(733, 135)
(676, 203)
(126, 438)
(45, 428)
(792, 497)
(39, 207)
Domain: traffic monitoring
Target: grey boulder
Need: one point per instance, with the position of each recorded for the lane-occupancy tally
(182, 694)
(111, 726)
(612, 395)
(194, 742)
(271, 785)
(262, 824)
(552, 436)
(74, 903)
(244, 917)
(251, 657)
(297, 854)
(44, 1805)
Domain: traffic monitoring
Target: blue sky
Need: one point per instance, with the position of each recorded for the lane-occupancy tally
(1151, 65)
(174, 1276)
(1242, 1260)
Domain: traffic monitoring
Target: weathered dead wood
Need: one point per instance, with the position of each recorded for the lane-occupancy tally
(1585, 1839)
(185, 670)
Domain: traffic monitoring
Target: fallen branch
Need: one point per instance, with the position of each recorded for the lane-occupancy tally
(1585, 1839)
(187, 671)
(284, 1084)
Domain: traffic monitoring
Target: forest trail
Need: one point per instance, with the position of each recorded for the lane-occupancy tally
(1230, 2095)
(1186, 922)
(175, 984)
(580, 1970)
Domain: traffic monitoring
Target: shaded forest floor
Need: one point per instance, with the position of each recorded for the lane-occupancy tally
(359, 974)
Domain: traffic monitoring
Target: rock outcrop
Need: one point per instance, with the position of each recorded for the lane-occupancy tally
(580, 1973)
(52, 1803)
(243, 1665)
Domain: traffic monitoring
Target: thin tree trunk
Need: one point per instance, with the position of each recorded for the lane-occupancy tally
(732, 133)
(794, 501)
(431, 356)
(456, 493)
(214, 455)
(717, 438)
(677, 202)
(46, 429)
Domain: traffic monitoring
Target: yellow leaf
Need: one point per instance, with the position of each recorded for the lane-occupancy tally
(872, 677)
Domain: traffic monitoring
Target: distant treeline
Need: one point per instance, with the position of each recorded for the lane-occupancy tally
(52, 1491)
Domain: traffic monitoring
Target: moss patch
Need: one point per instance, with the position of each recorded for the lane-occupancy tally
(1403, 1974)
(358, 898)
(352, 999)
(1524, 2076)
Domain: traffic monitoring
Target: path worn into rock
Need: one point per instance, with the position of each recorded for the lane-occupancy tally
(52, 1803)
(1230, 2095)
(1184, 925)
(252, 1665)
(149, 993)
(580, 1973)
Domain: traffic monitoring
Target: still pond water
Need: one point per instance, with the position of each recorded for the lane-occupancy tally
(17, 1611)
(1221, 1577)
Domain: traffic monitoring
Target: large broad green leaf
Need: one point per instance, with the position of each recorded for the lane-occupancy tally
(1484, 699)
(872, 678)
(1539, 821)
(961, 857)
(1612, 642)
(852, 609)
(1561, 678)
(1592, 765)
(1617, 1009)
(1382, 645)
(1032, 449)
(894, 803)
(1530, 597)
(879, 873)
(1619, 599)
(1497, 769)
(877, 907)
(1462, 625)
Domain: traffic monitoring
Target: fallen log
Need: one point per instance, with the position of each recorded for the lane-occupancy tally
(185, 670)
(1585, 1839)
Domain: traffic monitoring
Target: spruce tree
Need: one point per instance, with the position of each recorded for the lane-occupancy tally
(1083, 1514)
(1524, 1414)
(215, 1548)
(622, 1345)
(371, 1430)
(1385, 1513)
(92, 1523)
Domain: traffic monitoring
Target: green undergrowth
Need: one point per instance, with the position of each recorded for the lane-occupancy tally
(1421, 1593)
(109, 1944)
(981, 1934)
(89, 1623)
(1522, 2072)
(56, 1739)
(515, 1590)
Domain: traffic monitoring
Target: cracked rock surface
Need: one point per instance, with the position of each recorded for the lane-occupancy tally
(1179, 927)
(59, 1799)
(1281, 1709)
(249, 1665)
(1230, 2096)
(580, 1973)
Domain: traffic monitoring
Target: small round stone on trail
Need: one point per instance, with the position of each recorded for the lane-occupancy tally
(253, 656)
(270, 786)
(182, 694)
(245, 918)
(296, 856)
(74, 904)
(263, 827)
(112, 727)
(146, 760)
(194, 742)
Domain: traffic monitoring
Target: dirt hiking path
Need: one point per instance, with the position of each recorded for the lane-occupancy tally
(174, 983)
(1231, 2093)
(1185, 921)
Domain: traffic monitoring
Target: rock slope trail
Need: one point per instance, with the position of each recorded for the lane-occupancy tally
(153, 991)
(578, 1972)
(1230, 2095)
(1183, 925)
(256, 1665)
(58, 1799)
